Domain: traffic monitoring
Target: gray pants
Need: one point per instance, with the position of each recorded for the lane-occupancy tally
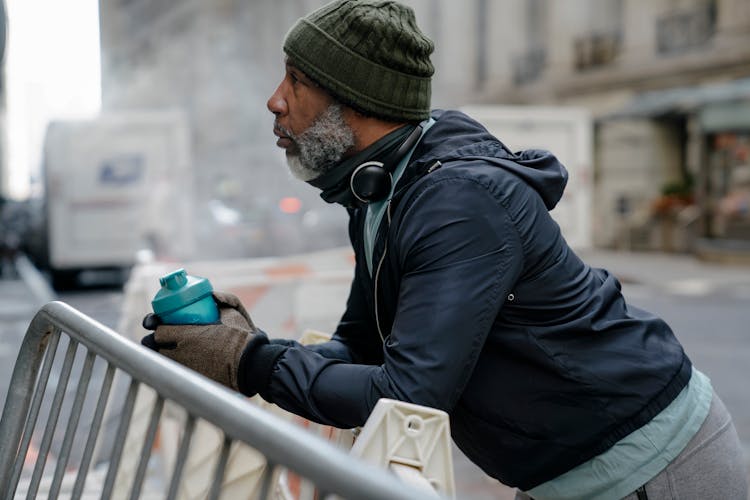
(711, 466)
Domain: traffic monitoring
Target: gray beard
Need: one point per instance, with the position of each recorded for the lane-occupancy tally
(322, 146)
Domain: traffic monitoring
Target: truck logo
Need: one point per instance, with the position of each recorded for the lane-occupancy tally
(122, 170)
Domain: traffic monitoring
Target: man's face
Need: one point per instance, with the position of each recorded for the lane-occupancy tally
(309, 125)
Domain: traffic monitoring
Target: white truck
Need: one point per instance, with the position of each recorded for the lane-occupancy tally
(565, 131)
(113, 186)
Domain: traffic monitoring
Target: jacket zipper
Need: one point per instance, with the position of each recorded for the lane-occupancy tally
(432, 168)
(377, 271)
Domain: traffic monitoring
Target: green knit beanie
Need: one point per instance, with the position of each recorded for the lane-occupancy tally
(368, 54)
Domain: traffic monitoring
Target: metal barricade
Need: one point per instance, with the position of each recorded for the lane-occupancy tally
(283, 444)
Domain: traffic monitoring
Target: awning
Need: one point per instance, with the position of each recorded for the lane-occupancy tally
(682, 100)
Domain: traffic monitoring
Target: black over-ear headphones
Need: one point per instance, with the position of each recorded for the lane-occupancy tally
(372, 181)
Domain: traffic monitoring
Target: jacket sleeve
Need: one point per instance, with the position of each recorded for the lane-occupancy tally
(459, 254)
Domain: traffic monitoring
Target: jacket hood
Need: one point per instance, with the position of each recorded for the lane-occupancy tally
(455, 136)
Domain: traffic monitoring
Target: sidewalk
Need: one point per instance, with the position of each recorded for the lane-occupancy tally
(676, 274)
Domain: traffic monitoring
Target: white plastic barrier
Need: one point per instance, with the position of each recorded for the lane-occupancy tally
(412, 441)
(283, 295)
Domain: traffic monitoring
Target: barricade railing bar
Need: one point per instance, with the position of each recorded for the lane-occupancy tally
(282, 443)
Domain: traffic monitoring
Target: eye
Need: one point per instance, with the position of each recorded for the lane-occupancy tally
(293, 78)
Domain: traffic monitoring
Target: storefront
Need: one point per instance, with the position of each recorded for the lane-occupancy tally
(705, 202)
(726, 178)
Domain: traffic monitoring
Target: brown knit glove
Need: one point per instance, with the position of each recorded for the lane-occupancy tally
(213, 350)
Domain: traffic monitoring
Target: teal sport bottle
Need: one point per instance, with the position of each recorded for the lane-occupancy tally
(185, 300)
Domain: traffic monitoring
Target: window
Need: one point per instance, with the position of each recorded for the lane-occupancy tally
(529, 65)
(687, 26)
(600, 45)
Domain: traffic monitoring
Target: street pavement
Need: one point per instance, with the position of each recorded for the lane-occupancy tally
(708, 306)
(20, 298)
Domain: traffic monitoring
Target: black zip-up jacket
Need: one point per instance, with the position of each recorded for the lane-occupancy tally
(485, 313)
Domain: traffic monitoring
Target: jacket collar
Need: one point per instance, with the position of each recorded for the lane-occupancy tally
(334, 185)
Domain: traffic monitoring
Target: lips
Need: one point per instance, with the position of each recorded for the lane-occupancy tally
(283, 141)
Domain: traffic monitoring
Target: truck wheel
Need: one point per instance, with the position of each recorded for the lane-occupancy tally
(64, 279)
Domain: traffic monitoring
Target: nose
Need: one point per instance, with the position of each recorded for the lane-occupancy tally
(276, 103)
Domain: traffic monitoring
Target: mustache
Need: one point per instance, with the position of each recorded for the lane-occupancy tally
(281, 130)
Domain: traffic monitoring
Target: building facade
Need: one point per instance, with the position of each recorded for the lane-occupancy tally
(667, 82)
(3, 113)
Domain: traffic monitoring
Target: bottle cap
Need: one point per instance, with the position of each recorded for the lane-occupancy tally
(178, 290)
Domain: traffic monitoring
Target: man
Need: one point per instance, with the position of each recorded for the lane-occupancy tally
(465, 296)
